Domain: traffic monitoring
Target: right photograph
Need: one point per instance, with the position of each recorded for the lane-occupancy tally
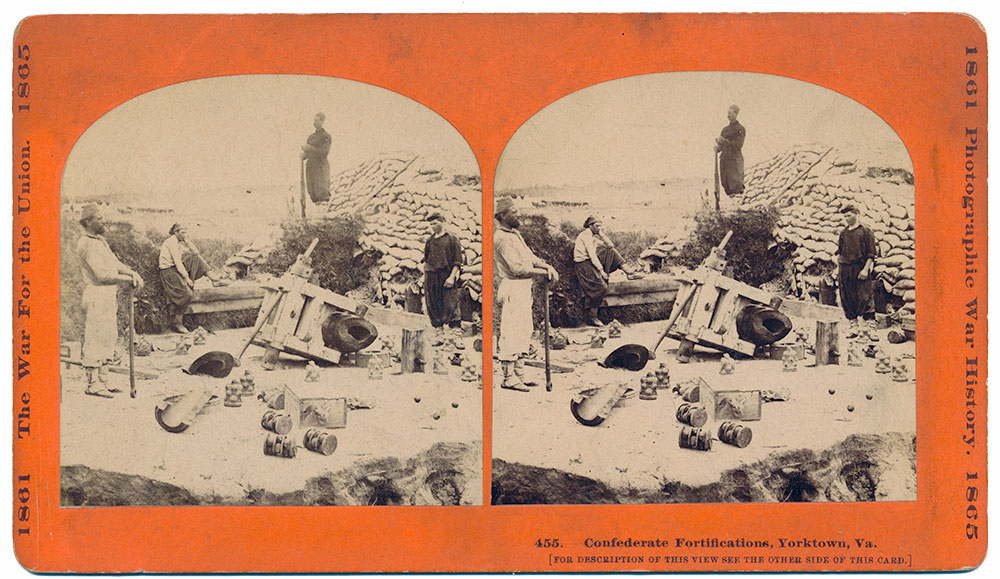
(704, 291)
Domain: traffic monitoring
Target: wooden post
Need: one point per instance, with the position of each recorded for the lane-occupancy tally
(411, 357)
(827, 343)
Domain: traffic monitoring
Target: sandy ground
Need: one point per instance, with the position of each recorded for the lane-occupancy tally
(221, 454)
(637, 446)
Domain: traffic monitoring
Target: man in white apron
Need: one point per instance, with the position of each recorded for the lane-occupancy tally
(516, 266)
(101, 272)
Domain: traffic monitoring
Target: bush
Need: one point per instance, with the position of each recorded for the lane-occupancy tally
(141, 252)
(752, 253)
(339, 263)
(555, 247)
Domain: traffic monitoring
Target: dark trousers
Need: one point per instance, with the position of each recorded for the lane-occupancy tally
(178, 291)
(592, 284)
(442, 302)
(857, 296)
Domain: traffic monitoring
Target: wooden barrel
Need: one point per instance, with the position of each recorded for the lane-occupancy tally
(319, 441)
(277, 422)
(279, 445)
(735, 434)
(274, 398)
(695, 438)
(690, 414)
(690, 392)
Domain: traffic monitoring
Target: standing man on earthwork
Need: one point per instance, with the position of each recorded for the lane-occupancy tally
(516, 266)
(101, 272)
(443, 257)
(729, 145)
(315, 153)
(856, 253)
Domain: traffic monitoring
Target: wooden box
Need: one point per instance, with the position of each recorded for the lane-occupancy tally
(311, 406)
(731, 404)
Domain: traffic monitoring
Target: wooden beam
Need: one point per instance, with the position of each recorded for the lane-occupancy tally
(639, 299)
(116, 369)
(650, 284)
(810, 310)
(224, 306)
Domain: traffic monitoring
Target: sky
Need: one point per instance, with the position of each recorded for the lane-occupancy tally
(663, 126)
(246, 133)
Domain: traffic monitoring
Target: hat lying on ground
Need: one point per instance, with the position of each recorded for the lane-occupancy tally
(216, 364)
(630, 356)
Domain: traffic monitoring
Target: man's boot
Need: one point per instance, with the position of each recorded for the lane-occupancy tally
(510, 379)
(102, 377)
(177, 324)
(94, 387)
(871, 331)
(519, 372)
(852, 329)
(592, 318)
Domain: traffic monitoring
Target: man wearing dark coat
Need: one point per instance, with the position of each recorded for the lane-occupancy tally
(314, 152)
(443, 257)
(729, 145)
(856, 253)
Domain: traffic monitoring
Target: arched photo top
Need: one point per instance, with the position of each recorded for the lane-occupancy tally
(235, 141)
(662, 126)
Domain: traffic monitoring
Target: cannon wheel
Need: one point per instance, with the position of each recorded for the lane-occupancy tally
(158, 412)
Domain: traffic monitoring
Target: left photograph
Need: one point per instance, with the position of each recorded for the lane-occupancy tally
(271, 295)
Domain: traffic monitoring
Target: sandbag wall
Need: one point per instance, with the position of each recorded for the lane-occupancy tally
(395, 194)
(809, 185)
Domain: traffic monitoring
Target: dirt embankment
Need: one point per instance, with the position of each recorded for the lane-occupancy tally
(445, 474)
(864, 467)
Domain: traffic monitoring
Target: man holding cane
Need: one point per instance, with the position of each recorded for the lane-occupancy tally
(516, 268)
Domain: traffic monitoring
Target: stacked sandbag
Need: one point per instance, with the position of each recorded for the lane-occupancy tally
(809, 185)
(666, 249)
(242, 262)
(394, 195)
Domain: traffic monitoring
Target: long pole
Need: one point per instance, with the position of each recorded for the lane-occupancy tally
(715, 161)
(131, 340)
(548, 366)
(302, 189)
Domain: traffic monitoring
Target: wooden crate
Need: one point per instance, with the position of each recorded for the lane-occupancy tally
(311, 406)
(731, 404)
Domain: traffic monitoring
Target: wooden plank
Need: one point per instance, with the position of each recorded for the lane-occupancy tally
(225, 306)
(639, 299)
(235, 291)
(116, 369)
(811, 310)
(553, 367)
(659, 283)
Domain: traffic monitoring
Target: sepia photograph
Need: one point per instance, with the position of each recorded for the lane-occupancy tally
(270, 294)
(704, 292)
